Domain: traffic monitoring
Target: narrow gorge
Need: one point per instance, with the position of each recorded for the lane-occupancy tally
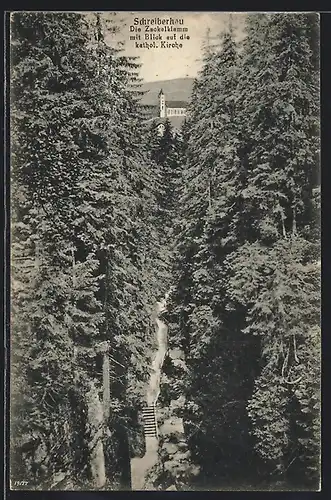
(140, 466)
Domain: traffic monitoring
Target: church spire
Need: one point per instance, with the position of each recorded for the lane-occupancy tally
(162, 104)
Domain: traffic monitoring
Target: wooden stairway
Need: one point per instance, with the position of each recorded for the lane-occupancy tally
(150, 424)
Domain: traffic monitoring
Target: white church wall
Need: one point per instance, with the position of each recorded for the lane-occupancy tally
(176, 111)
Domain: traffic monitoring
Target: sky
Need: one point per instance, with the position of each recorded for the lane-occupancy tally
(169, 63)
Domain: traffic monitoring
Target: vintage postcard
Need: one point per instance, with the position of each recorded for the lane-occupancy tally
(165, 251)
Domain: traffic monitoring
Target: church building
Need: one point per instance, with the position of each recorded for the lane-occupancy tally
(174, 111)
(160, 106)
(171, 108)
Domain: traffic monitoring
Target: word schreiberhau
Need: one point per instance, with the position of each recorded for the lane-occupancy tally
(165, 24)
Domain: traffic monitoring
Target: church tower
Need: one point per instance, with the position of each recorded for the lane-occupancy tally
(162, 104)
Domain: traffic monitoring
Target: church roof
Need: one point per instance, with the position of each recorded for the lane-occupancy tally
(176, 104)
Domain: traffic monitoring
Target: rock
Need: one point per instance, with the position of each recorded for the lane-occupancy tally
(179, 363)
(183, 456)
(171, 488)
(170, 448)
(57, 478)
(177, 403)
(173, 425)
(169, 466)
(176, 353)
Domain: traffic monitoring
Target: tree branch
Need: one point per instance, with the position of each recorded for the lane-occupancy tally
(292, 382)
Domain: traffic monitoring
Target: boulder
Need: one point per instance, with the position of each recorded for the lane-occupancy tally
(176, 353)
(171, 488)
(170, 448)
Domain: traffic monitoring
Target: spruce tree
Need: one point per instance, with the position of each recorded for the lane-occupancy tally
(166, 154)
(282, 154)
(248, 237)
(83, 216)
(48, 75)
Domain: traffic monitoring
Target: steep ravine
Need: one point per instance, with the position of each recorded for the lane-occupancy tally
(161, 337)
(140, 466)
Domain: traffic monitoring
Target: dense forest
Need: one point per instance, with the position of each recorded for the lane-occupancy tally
(107, 216)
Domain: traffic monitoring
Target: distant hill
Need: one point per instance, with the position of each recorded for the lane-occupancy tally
(178, 89)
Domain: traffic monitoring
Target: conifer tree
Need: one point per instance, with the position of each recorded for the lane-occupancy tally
(48, 75)
(88, 203)
(282, 153)
(247, 240)
(212, 148)
(167, 155)
(103, 209)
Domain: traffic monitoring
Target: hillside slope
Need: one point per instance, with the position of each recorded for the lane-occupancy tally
(178, 89)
